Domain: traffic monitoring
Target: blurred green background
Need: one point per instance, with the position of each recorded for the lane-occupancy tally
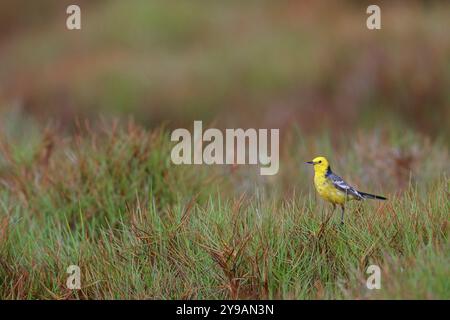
(271, 64)
(76, 187)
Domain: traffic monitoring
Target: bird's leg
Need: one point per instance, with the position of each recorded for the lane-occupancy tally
(342, 215)
(326, 215)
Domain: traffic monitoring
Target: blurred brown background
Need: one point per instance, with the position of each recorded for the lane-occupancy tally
(313, 64)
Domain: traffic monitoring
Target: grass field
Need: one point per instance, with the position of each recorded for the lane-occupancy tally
(110, 201)
(83, 184)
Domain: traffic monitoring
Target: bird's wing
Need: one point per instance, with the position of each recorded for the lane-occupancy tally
(340, 184)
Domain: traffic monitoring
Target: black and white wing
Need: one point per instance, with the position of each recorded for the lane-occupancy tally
(340, 184)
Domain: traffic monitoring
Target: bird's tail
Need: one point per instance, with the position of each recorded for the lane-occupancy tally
(371, 196)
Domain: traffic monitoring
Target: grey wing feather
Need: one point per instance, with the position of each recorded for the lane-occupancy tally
(340, 184)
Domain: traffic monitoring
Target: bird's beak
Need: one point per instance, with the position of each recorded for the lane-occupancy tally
(309, 162)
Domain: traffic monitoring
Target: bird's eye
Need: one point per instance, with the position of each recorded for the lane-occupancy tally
(320, 161)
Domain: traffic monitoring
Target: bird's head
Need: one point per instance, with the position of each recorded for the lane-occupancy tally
(320, 164)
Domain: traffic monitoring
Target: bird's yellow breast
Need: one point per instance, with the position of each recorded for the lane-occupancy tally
(327, 190)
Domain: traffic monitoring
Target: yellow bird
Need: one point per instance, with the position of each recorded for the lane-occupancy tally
(333, 188)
